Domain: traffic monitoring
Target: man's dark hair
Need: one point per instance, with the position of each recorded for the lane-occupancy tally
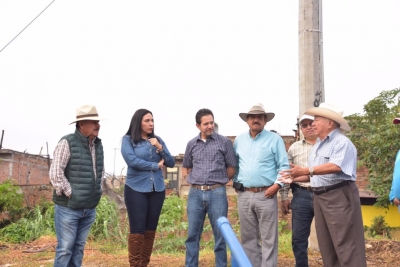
(135, 128)
(203, 112)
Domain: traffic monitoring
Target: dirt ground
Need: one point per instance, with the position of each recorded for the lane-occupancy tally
(40, 253)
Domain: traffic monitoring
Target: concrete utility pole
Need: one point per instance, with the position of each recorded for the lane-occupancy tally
(311, 67)
(311, 71)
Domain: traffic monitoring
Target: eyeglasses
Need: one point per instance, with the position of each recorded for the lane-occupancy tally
(305, 125)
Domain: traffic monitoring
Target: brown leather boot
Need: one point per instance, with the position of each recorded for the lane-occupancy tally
(135, 243)
(147, 247)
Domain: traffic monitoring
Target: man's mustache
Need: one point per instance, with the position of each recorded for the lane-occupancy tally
(256, 123)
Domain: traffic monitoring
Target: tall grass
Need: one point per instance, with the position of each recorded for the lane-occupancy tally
(39, 221)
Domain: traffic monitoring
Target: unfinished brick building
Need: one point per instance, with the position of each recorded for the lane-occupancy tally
(29, 172)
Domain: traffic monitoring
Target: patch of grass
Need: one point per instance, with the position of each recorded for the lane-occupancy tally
(285, 244)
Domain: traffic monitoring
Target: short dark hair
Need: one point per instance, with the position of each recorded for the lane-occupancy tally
(135, 127)
(203, 112)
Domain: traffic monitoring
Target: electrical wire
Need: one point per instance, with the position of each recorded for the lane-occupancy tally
(27, 26)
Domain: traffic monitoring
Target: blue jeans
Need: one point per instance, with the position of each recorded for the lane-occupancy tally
(215, 204)
(302, 216)
(143, 209)
(72, 229)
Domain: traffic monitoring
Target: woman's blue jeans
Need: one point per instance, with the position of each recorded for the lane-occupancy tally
(214, 203)
(143, 209)
(302, 216)
(72, 229)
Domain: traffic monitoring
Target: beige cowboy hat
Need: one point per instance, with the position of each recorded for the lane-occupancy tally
(331, 112)
(257, 109)
(87, 112)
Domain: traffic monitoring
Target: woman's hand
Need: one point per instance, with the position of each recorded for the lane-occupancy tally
(154, 142)
(161, 164)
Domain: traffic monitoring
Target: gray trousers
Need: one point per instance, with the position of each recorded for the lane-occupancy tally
(339, 227)
(259, 228)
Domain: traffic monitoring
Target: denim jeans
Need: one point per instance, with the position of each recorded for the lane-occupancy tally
(302, 216)
(143, 209)
(215, 204)
(72, 229)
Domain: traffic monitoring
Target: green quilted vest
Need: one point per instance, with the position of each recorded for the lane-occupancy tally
(86, 190)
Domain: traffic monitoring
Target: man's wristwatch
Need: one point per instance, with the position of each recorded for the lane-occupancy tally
(311, 170)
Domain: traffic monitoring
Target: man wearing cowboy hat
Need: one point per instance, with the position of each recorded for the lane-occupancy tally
(76, 173)
(332, 170)
(302, 202)
(261, 155)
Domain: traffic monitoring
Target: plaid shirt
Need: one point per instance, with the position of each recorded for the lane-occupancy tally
(297, 154)
(60, 160)
(209, 160)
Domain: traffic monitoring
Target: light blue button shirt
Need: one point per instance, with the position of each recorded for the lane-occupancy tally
(395, 190)
(260, 159)
(336, 148)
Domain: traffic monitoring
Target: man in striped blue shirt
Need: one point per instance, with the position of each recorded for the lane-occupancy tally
(332, 170)
(261, 155)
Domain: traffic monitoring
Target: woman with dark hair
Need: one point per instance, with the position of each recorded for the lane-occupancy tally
(145, 154)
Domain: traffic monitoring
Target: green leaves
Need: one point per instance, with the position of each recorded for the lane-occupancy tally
(10, 197)
(377, 141)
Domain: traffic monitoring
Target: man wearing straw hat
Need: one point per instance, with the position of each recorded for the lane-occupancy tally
(332, 171)
(261, 155)
(76, 173)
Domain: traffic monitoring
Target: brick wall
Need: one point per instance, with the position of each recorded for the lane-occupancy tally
(30, 172)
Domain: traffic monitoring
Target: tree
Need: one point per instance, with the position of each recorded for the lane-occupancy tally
(377, 141)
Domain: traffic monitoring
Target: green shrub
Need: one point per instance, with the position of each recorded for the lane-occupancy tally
(379, 227)
(10, 201)
(39, 221)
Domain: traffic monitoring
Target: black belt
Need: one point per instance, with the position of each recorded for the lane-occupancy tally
(206, 187)
(323, 189)
(308, 188)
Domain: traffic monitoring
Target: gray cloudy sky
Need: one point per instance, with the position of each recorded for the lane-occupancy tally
(175, 57)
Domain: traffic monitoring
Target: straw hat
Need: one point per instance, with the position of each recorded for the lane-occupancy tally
(86, 112)
(257, 109)
(331, 112)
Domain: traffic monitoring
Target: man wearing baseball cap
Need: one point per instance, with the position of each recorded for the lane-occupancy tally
(302, 202)
(76, 173)
(332, 170)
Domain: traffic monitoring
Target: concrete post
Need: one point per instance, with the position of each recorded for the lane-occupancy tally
(311, 89)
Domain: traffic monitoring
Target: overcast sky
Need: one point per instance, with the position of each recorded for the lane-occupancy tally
(175, 57)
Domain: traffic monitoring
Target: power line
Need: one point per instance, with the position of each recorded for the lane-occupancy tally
(27, 26)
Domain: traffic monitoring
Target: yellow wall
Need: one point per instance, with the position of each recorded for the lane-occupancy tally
(392, 215)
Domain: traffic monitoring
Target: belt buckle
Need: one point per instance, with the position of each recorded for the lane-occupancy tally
(204, 187)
